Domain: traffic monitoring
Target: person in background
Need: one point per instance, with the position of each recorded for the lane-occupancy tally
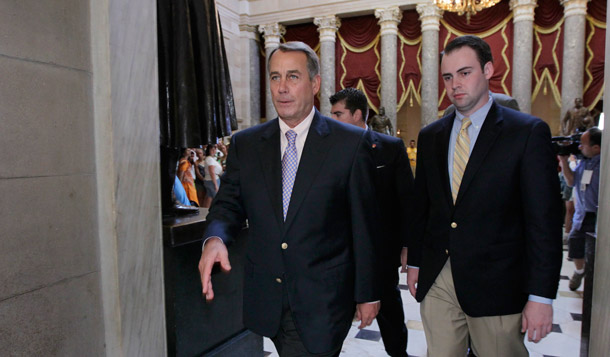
(412, 154)
(185, 174)
(585, 183)
(213, 170)
(200, 176)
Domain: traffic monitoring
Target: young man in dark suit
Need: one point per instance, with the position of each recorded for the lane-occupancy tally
(305, 183)
(394, 183)
(485, 248)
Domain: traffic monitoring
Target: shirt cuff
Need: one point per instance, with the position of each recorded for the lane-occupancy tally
(412, 266)
(208, 238)
(540, 299)
(372, 302)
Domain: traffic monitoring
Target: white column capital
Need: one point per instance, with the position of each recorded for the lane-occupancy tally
(327, 27)
(272, 33)
(574, 7)
(430, 16)
(389, 18)
(249, 31)
(523, 10)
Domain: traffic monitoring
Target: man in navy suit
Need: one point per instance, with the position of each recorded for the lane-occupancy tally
(486, 236)
(305, 183)
(394, 184)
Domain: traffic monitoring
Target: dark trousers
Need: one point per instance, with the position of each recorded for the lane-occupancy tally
(391, 317)
(288, 342)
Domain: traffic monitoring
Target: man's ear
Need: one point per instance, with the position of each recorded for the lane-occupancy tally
(488, 70)
(358, 115)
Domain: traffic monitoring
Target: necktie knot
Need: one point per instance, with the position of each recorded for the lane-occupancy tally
(465, 123)
(291, 135)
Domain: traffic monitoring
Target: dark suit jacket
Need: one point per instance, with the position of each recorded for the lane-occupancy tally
(504, 232)
(394, 183)
(331, 229)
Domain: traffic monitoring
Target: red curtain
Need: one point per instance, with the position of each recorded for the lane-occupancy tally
(358, 57)
(494, 25)
(409, 59)
(595, 51)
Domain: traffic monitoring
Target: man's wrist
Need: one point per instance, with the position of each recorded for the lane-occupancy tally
(207, 239)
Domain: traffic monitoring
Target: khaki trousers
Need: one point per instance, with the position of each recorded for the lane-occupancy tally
(448, 328)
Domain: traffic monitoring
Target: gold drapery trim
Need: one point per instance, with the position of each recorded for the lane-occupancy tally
(345, 46)
(410, 88)
(546, 73)
(593, 24)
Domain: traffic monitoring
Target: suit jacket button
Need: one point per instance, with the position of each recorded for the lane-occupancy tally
(453, 225)
(284, 245)
(447, 251)
(278, 280)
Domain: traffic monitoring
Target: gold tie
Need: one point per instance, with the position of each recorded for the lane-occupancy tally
(460, 157)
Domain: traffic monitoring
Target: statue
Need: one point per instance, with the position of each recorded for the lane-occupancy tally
(381, 123)
(577, 119)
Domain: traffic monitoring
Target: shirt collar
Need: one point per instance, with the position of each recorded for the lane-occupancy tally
(303, 126)
(477, 118)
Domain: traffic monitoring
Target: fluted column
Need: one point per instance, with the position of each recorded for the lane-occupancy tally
(573, 69)
(523, 44)
(327, 27)
(251, 92)
(430, 16)
(272, 34)
(389, 18)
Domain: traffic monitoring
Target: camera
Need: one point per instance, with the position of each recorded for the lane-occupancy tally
(566, 145)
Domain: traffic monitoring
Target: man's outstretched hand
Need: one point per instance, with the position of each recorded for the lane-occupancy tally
(214, 252)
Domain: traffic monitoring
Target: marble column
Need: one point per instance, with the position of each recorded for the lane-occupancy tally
(252, 76)
(327, 27)
(523, 44)
(272, 33)
(389, 18)
(573, 67)
(430, 16)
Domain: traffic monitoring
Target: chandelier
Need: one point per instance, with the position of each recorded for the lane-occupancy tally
(468, 7)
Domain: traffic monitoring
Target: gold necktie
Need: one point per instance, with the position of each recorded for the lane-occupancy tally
(460, 157)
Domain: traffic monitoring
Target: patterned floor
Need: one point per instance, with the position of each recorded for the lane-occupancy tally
(563, 341)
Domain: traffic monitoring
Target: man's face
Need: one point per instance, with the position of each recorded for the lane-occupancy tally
(578, 102)
(585, 146)
(466, 83)
(412, 143)
(342, 114)
(291, 89)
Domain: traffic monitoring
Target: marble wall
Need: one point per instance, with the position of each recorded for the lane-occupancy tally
(50, 301)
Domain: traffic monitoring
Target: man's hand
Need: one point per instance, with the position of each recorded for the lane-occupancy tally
(403, 260)
(412, 278)
(365, 313)
(537, 320)
(214, 252)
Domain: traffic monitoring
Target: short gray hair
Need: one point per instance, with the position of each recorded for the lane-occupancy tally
(313, 63)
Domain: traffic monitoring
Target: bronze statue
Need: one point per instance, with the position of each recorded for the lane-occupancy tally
(577, 119)
(381, 123)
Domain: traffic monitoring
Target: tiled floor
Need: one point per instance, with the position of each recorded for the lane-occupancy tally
(563, 341)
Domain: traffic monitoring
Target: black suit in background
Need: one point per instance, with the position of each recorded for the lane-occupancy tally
(394, 183)
(503, 233)
(323, 259)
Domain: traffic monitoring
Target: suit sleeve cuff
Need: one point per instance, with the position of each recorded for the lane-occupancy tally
(208, 238)
(540, 299)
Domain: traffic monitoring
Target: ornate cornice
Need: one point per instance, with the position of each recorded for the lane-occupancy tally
(574, 7)
(249, 31)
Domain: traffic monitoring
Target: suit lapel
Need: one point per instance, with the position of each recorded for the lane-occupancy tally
(314, 153)
(269, 152)
(442, 149)
(487, 137)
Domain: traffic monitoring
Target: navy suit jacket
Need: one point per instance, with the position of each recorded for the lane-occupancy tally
(394, 184)
(503, 233)
(329, 261)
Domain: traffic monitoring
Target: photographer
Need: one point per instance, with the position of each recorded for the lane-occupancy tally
(585, 180)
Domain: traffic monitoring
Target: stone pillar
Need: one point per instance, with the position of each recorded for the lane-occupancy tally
(430, 16)
(327, 27)
(388, 21)
(272, 34)
(523, 44)
(252, 77)
(573, 69)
